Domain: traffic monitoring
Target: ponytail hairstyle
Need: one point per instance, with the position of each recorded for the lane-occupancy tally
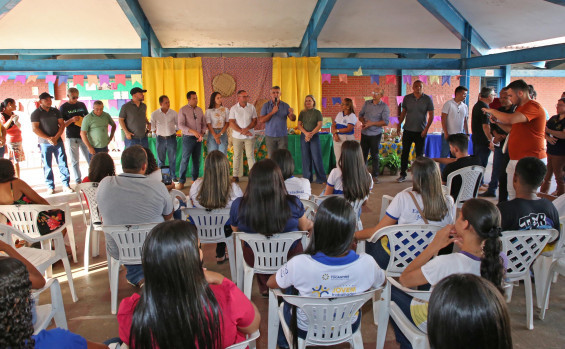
(354, 175)
(5, 103)
(484, 217)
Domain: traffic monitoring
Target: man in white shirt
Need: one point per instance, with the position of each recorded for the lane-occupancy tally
(454, 119)
(164, 124)
(243, 118)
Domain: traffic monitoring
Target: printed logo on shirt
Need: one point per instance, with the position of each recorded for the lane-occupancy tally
(325, 277)
(344, 291)
(320, 291)
(535, 221)
(340, 277)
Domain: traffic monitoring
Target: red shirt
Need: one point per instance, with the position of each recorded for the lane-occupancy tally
(528, 138)
(236, 310)
(13, 133)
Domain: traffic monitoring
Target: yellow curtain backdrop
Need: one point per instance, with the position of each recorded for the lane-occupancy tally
(297, 78)
(173, 77)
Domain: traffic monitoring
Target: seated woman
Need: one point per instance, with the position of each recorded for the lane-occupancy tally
(350, 177)
(329, 253)
(216, 190)
(182, 303)
(474, 311)
(477, 232)
(16, 310)
(266, 208)
(100, 166)
(14, 191)
(299, 187)
(424, 204)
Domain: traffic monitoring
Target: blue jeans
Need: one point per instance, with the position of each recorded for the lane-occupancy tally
(74, 144)
(190, 147)
(497, 163)
(445, 153)
(312, 155)
(47, 152)
(143, 141)
(376, 250)
(167, 146)
(2, 151)
(96, 151)
(482, 152)
(212, 145)
(134, 273)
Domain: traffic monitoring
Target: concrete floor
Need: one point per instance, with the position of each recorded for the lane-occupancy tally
(91, 317)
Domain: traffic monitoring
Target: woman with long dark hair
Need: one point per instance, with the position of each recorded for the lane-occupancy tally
(474, 311)
(477, 232)
(181, 304)
(217, 120)
(296, 186)
(310, 123)
(216, 190)
(16, 304)
(12, 134)
(329, 253)
(350, 177)
(101, 165)
(343, 126)
(266, 208)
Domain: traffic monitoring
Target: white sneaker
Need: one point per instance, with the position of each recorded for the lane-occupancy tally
(68, 190)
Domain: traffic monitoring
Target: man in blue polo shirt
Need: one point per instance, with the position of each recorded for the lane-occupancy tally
(274, 114)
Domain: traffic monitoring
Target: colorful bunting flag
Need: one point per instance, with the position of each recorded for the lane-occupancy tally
(324, 102)
(368, 98)
(385, 99)
(343, 78)
(104, 79)
(437, 118)
(446, 79)
(105, 101)
(423, 78)
(3, 78)
(353, 100)
(336, 100)
(50, 79)
(375, 79)
(399, 99)
(136, 78)
(327, 78)
(113, 103)
(63, 79)
(121, 103)
(407, 79)
(120, 79)
(434, 78)
(78, 80)
(92, 79)
(393, 120)
(32, 78)
(20, 78)
(391, 79)
(359, 72)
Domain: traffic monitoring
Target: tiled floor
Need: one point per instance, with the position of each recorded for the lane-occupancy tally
(91, 316)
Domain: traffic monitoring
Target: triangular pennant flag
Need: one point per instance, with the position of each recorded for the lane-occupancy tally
(31, 78)
(121, 103)
(399, 99)
(391, 79)
(423, 78)
(446, 79)
(112, 103)
(50, 78)
(105, 101)
(368, 98)
(78, 80)
(327, 78)
(3, 78)
(104, 79)
(63, 79)
(374, 79)
(343, 78)
(336, 100)
(353, 100)
(136, 78)
(434, 78)
(393, 120)
(437, 118)
(407, 79)
(359, 72)
(20, 78)
(120, 79)
(324, 102)
(88, 103)
(127, 100)
(385, 99)
(92, 79)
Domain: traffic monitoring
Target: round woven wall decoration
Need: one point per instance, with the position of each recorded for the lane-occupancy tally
(259, 104)
(224, 83)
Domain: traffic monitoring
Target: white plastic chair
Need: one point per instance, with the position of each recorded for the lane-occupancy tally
(249, 342)
(385, 202)
(311, 208)
(42, 259)
(415, 336)
(522, 247)
(130, 239)
(319, 199)
(270, 254)
(542, 265)
(93, 222)
(329, 319)
(470, 181)
(210, 226)
(556, 267)
(47, 312)
(175, 195)
(406, 242)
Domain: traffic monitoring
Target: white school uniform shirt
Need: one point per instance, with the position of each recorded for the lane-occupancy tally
(443, 266)
(243, 117)
(195, 188)
(344, 121)
(403, 210)
(299, 187)
(334, 180)
(323, 276)
(217, 117)
(457, 113)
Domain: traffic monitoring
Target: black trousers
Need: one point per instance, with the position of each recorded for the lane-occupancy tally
(409, 137)
(371, 143)
(503, 179)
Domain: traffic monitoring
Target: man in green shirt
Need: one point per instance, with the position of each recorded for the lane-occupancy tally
(94, 129)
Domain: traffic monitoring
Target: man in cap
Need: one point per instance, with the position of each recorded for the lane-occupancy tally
(133, 119)
(47, 123)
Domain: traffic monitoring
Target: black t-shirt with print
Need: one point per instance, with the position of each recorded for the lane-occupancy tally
(522, 214)
(69, 111)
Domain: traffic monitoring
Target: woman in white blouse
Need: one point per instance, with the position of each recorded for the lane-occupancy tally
(217, 120)
(343, 126)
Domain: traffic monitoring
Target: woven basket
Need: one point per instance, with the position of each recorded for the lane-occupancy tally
(224, 83)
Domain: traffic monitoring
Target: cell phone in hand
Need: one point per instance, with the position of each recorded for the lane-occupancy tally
(166, 176)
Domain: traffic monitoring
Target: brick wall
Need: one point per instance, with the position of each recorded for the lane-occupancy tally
(549, 90)
(17, 90)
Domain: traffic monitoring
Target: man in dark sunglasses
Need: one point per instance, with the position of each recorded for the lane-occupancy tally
(73, 112)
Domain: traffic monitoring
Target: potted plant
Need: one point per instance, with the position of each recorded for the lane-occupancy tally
(392, 162)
